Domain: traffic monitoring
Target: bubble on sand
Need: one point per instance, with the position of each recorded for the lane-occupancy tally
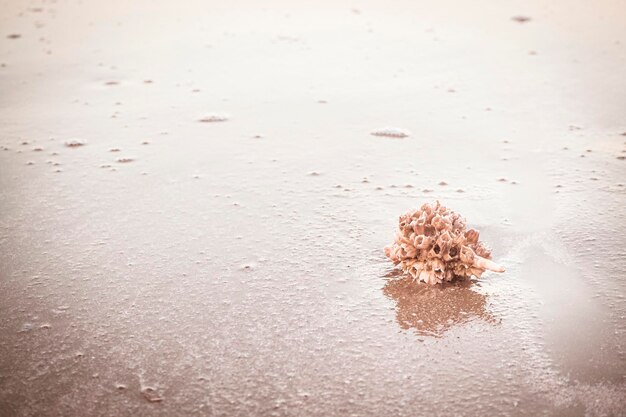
(26, 327)
(391, 132)
(214, 118)
(520, 19)
(74, 143)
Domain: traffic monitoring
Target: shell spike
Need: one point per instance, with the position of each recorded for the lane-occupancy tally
(483, 263)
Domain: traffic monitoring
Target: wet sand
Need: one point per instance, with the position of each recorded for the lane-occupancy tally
(193, 207)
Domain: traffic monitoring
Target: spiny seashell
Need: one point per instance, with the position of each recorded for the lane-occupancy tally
(433, 245)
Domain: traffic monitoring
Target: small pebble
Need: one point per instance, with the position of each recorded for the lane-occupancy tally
(74, 143)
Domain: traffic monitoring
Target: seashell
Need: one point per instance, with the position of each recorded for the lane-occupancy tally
(482, 252)
(472, 236)
(433, 245)
(422, 242)
(450, 252)
(467, 255)
(482, 263)
(435, 251)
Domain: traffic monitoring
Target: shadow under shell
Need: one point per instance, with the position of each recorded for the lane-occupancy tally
(433, 309)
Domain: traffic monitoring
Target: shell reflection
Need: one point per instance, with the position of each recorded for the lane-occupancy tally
(433, 310)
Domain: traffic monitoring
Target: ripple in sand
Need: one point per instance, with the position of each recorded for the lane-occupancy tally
(391, 132)
(214, 118)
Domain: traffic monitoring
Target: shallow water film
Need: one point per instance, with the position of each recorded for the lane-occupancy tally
(195, 197)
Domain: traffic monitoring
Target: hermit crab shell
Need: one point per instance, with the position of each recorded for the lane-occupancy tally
(433, 245)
